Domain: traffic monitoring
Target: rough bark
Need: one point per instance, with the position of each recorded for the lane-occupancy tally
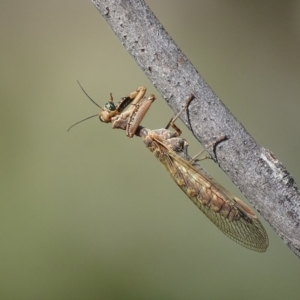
(254, 169)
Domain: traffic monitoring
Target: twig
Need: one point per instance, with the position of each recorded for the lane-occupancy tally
(254, 169)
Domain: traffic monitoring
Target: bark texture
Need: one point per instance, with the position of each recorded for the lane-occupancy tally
(254, 169)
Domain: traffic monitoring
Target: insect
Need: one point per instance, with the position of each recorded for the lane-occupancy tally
(110, 111)
(233, 217)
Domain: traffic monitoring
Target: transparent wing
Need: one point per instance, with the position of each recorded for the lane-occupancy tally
(233, 217)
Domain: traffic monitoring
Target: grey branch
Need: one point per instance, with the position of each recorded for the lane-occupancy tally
(254, 169)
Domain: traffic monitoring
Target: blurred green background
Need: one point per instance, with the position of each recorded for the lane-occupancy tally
(90, 214)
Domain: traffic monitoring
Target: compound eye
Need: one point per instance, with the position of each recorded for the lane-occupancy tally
(110, 106)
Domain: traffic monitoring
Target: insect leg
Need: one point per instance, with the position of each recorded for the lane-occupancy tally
(195, 159)
(137, 114)
(124, 120)
(138, 94)
(214, 145)
(133, 98)
(172, 121)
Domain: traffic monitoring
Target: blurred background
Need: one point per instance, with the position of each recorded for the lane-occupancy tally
(91, 214)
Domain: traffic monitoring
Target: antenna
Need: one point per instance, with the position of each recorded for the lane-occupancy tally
(82, 121)
(92, 101)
